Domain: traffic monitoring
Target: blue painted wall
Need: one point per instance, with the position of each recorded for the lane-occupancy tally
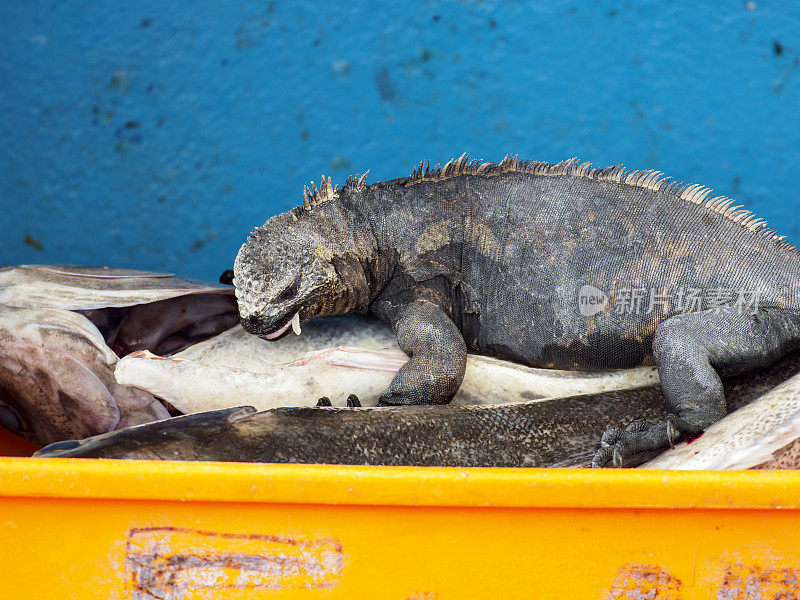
(156, 134)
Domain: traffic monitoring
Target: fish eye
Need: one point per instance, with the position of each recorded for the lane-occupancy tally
(10, 419)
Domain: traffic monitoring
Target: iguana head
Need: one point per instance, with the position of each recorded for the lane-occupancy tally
(283, 276)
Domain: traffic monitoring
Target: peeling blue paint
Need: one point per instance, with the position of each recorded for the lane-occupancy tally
(238, 104)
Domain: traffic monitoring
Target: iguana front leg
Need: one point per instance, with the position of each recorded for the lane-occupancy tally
(437, 350)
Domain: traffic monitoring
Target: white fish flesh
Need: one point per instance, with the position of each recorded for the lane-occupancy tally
(334, 358)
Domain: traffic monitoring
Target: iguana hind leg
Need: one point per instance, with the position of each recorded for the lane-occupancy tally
(692, 351)
(438, 354)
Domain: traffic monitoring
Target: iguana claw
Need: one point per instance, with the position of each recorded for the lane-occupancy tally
(618, 445)
(616, 459)
(672, 432)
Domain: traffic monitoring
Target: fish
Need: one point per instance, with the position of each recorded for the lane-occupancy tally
(133, 310)
(79, 287)
(57, 378)
(63, 328)
(561, 432)
(334, 357)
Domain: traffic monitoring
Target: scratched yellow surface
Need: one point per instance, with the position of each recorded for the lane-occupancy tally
(88, 529)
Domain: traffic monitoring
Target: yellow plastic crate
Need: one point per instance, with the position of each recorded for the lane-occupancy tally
(176, 530)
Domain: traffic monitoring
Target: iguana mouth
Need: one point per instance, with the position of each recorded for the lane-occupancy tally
(294, 323)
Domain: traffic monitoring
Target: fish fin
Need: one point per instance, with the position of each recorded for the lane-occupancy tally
(363, 358)
(239, 413)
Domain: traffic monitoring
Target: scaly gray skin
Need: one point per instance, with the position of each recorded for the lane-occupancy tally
(490, 258)
(555, 433)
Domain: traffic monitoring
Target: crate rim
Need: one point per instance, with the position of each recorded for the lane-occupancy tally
(397, 486)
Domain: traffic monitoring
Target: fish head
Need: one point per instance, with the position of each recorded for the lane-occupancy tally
(283, 274)
(47, 395)
(54, 375)
(188, 437)
(57, 378)
(62, 328)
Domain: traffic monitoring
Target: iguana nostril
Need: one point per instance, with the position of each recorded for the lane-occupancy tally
(251, 324)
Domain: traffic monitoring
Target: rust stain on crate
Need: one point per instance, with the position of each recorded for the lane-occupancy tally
(168, 563)
(636, 581)
(752, 582)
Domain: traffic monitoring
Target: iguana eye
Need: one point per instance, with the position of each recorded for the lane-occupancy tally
(290, 291)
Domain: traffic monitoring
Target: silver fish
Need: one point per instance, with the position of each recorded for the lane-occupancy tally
(335, 357)
(73, 287)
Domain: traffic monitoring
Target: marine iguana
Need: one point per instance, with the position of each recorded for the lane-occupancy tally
(547, 264)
